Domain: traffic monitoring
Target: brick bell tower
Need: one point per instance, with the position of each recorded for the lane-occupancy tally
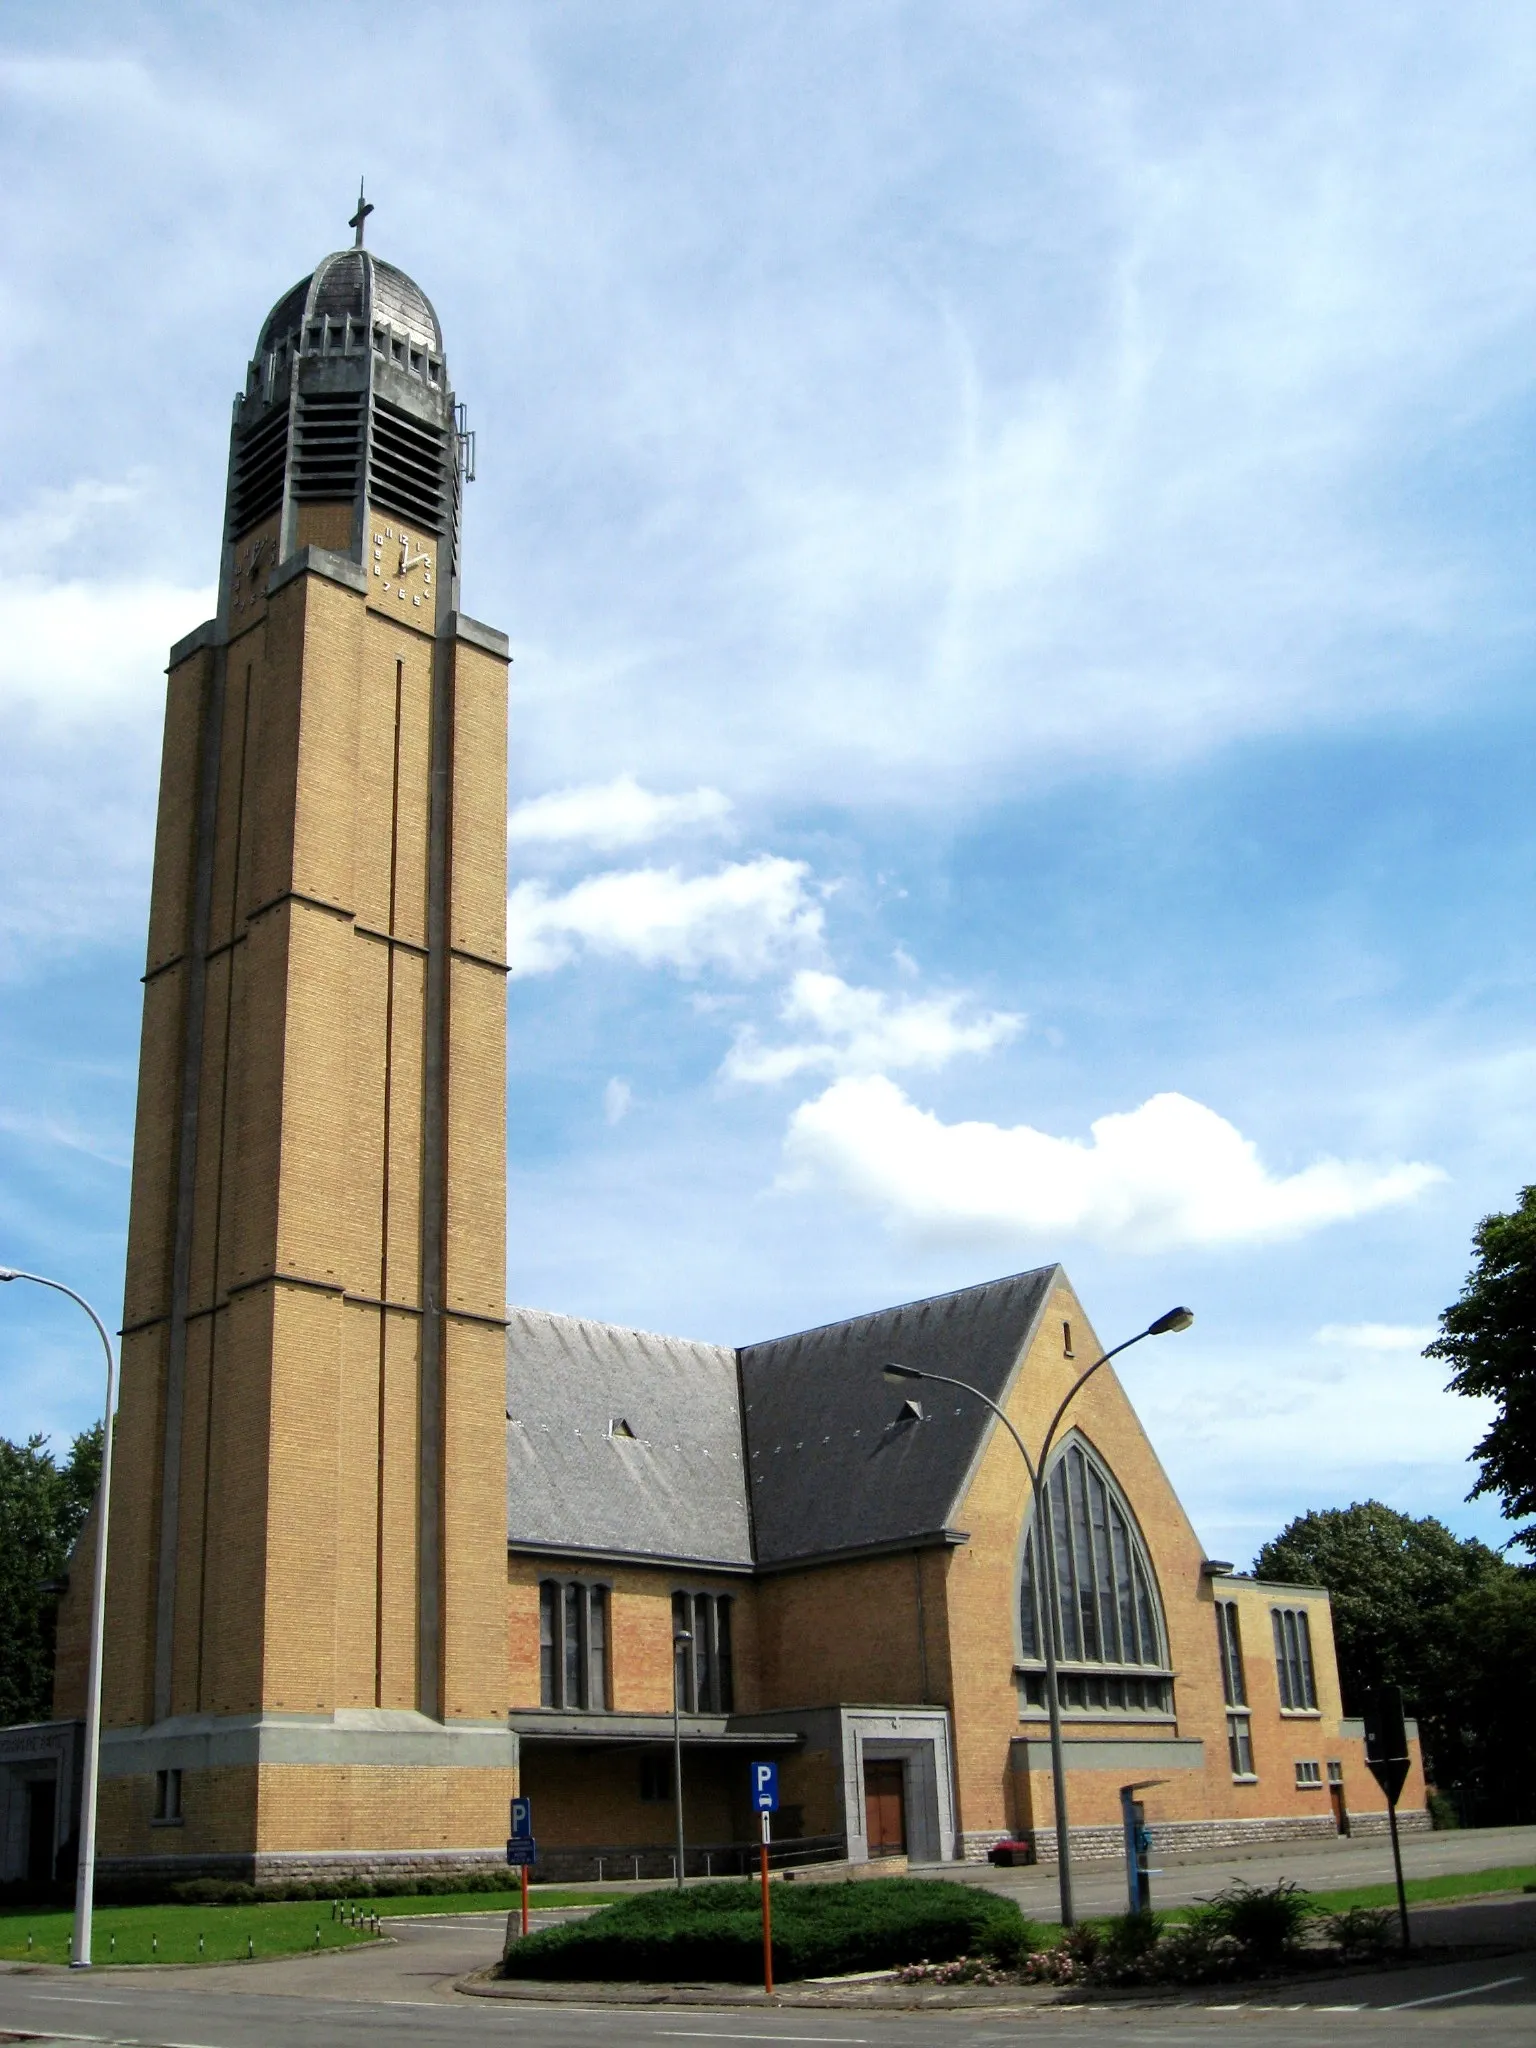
(307, 1600)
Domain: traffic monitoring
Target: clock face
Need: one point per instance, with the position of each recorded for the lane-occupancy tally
(253, 565)
(403, 566)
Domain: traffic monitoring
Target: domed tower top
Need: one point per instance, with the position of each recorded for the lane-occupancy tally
(346, 430)
(355, 284)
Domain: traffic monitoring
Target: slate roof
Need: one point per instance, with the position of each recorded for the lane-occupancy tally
(673, 1490)
(830, 1465)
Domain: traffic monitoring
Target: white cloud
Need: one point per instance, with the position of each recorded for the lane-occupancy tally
(1410, 1337)
(72, 651)
(1169, 1173)
(617, 1097)
(860, 1031)
(746, 917)
(612, 814)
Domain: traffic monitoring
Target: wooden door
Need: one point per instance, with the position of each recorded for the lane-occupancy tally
(1340, 1812)
(885, 1809)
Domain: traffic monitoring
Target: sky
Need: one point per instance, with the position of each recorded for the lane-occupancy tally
(1014, 523)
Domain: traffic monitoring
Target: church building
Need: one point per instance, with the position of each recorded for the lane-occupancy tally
(383, 1553)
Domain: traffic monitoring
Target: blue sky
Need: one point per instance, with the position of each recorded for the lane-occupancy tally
(1014, 523)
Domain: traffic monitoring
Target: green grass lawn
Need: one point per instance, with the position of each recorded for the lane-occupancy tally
(1460, 1884)
(228, 1934)
(179, 1934)
(172, 1934)
(1464, 1884)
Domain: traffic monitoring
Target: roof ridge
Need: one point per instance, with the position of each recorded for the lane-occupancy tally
(560, 1315)
(895, 1308)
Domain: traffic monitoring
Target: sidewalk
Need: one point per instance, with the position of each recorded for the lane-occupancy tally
(1329, 1865)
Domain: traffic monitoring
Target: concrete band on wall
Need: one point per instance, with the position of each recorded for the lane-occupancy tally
(363, 1737)
(288, 1867)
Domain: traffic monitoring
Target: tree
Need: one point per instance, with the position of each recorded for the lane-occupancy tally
(1489, 1699)
(1404, 1594)
(42, 1506)
(1488, 1338)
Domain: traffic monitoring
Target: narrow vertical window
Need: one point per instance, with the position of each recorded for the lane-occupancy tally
(1030, 1639)
(549, 1593)
(571, 1648)
(682, 1661)
(1229, 1643)
(725, 1680)
(597, 1647)
(1240, 1746)
(1293, 1658)
(703, 1653)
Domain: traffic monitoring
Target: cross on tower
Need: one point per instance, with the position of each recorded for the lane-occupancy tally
(364, 208)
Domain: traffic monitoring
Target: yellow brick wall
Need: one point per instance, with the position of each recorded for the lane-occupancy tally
(296, 1549)
(316, 1807)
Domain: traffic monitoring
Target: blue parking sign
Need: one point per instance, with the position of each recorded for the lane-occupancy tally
(522, 1820)
(765, 1788)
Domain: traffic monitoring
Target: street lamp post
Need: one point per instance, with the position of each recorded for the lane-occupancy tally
(681, 1638)
(85, 1876)
(1175, 1319)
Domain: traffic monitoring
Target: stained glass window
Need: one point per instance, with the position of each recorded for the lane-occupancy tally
(1106, 1610)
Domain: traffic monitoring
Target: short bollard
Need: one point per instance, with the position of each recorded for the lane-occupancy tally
(250, 1947)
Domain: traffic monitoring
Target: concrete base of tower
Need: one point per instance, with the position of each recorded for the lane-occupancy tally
(298, 1798)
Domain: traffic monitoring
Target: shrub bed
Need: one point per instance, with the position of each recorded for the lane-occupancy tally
(714, 1932)
(1243, 1932)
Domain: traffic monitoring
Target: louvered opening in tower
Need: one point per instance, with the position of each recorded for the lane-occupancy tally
(329, 453)
(261, 454)
(409, 467)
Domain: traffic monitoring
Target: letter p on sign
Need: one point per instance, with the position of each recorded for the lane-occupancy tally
(765, 1788)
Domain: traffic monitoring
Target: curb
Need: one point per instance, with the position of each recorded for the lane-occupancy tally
(997, 1998)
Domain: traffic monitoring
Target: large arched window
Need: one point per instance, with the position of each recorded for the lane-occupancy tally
(1111, 1646)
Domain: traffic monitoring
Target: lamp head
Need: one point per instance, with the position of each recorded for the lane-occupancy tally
(1176, 1319)
(7, 1273)
(682, 1636)
(896, 1373)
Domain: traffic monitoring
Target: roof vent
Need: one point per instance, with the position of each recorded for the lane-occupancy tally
(619, 1427)
(911, 1411)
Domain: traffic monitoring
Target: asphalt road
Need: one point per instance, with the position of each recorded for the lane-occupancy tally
(401, 1994)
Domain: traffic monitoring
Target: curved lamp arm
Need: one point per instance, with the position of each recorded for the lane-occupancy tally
(41, 1280)
(911, 1372)
(1175, 1319)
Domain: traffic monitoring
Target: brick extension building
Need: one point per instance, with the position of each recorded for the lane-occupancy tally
(380, 1556)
